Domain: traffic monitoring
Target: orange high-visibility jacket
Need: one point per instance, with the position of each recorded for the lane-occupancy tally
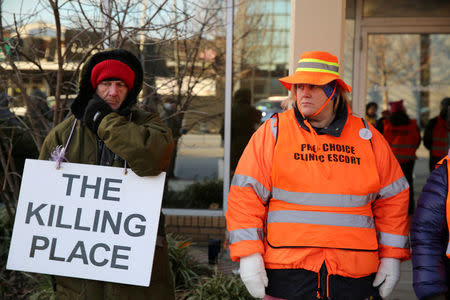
(301, 200)
(440, 136)
(447, 203)
(403, 139)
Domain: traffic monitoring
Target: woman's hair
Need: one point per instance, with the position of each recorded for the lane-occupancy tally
(342, 98)
(290, 100)
(371, 104)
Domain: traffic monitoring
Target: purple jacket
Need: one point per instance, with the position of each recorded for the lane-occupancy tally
(429, 238)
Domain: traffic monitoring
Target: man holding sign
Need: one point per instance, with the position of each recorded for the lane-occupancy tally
(105, 129)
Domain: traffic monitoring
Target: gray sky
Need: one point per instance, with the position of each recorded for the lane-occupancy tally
(25, 8)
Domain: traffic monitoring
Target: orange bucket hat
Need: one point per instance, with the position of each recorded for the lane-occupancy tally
(315, 67)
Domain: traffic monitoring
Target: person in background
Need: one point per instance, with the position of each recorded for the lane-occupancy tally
(7, 117)
(15, 139)
(39, 100)
(430, 237)
(436, 135)
(244, 120)
(39, 112)
(169, 114)
(403, 135)
(318, 205)
(151, 103)
(385, 114)
(371, 113)
(109, 131)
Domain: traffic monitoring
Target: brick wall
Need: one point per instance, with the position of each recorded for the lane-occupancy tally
(199, 228)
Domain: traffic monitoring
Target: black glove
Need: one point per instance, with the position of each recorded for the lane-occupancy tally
(94, 113)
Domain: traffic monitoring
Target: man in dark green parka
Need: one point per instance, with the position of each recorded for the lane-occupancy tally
(110, 131)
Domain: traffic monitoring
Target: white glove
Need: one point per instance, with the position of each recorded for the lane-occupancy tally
(387, 276)
(254, 275)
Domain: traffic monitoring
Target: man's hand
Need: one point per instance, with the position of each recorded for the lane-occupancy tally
(94, 113)
(254, 275)
(387, 276)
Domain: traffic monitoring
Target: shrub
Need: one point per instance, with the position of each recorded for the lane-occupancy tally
(225, 287)
(195, 281)
(185, 269)
(5, 233)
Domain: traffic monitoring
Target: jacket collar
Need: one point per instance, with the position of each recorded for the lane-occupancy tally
(336, 126)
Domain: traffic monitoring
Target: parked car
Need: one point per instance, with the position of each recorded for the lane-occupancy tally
(269, 106)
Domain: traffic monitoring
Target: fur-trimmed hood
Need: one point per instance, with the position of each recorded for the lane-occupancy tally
(86, 90)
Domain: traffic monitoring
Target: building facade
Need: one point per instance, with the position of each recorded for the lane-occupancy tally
(399, 48)
(261, 50)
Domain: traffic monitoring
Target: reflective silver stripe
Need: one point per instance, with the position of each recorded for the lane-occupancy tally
(448, 249)
(319, 199)
(317, 65)
(247, 181)
(394, 188)
(247, 234)
(393, 240)
(274, 128)
(320, 218)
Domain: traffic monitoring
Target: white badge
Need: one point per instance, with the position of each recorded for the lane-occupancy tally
(365, 133)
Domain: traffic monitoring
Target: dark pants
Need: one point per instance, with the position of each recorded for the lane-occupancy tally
(300, 284)
(408, 168)
(161, 284)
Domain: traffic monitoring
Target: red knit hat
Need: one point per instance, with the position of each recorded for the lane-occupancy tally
(112, 68)
(396, 106)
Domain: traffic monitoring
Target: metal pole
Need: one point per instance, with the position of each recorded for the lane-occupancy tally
(175, 48)
(142, 45)
(227, 108)
(106, 22)
(142, 40)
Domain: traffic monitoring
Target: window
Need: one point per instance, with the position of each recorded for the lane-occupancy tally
(406, 8)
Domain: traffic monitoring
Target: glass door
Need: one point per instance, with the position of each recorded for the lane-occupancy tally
(403, 58)
(411, 67)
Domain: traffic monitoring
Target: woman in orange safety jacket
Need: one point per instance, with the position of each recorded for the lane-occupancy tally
(318, 205)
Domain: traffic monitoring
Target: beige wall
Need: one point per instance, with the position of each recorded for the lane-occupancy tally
(316, 25)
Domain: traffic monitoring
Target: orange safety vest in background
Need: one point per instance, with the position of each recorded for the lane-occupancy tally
(302, 200)
(403, 139)
(440, 135)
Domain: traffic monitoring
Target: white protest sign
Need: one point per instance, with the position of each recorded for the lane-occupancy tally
(86, 221)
